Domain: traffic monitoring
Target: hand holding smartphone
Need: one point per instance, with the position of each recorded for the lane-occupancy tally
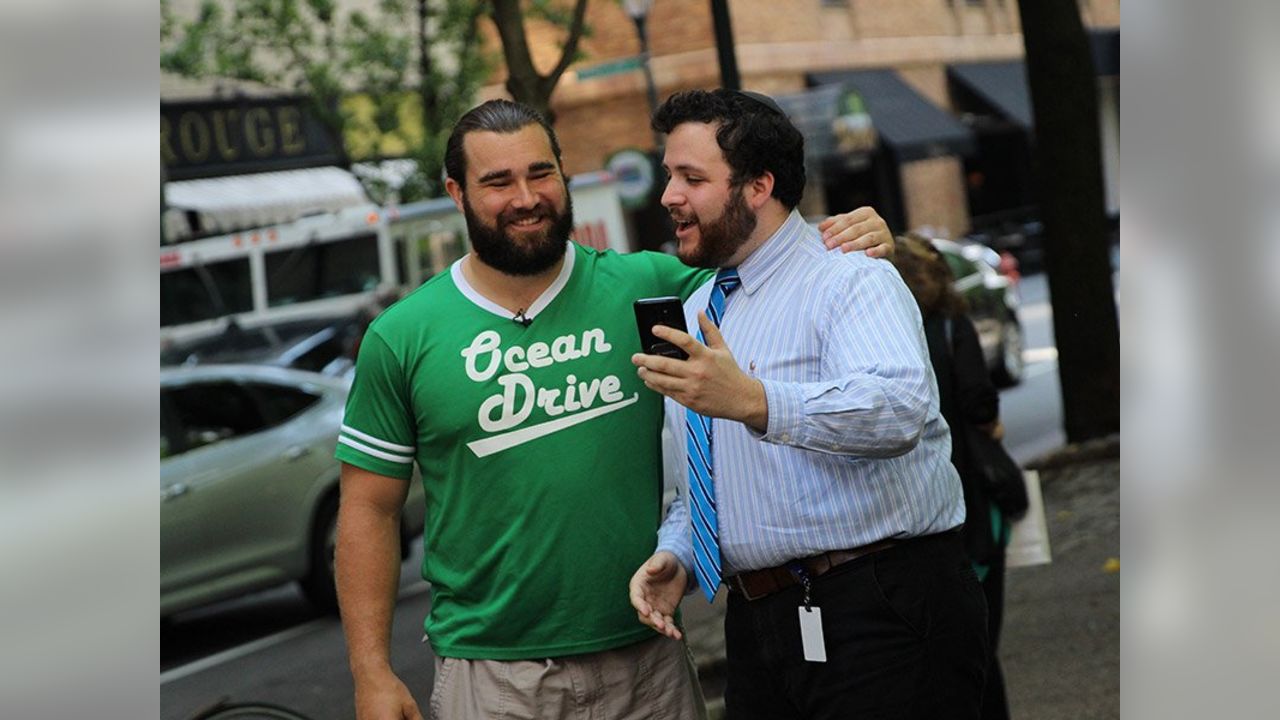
(668, 311)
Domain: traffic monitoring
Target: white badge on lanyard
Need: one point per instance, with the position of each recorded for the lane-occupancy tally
(815, 650)
(811, 634)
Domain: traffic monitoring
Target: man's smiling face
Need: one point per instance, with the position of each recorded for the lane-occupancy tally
(516, 202)
(711, 215)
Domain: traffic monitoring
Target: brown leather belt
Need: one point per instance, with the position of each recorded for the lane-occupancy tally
(756, 584)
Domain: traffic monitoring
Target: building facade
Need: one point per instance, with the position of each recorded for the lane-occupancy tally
(932, 78)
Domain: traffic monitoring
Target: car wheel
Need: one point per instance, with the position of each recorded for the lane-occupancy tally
(1008, 370)
(319, 586)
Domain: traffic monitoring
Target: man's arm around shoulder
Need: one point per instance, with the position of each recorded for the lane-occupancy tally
(368, 575)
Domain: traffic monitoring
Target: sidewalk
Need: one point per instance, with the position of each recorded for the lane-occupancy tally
(1061, 640)
(1061, 644)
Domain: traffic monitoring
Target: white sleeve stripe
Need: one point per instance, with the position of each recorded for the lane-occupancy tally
(371, 439)
(374, 452)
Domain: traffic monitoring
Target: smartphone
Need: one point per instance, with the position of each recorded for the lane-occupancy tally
(667, 311)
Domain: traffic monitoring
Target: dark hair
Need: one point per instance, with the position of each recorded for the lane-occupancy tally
(919, 260)
(753, 133)
(500, 116)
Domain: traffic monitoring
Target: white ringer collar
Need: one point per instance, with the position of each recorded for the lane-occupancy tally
(484, 303)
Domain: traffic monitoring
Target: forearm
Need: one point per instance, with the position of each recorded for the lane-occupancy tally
(368, 575)
(861, 415)
(876, 386)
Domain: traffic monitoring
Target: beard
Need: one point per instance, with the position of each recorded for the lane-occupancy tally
(529, 254)
(720, 239)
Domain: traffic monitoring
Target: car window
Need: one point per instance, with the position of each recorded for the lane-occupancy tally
(279, 403)
(167, 445)
(211, 412)
(319, 356)
(206, 291)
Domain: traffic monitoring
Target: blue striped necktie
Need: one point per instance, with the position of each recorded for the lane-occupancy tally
(702, 491)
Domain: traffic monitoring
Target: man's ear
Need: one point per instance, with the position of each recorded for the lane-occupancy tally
(452, 187)
(760, 190)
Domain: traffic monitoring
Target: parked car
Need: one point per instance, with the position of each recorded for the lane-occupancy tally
(1019, 233)
(249, 484)
(993, 306)
(318, 344)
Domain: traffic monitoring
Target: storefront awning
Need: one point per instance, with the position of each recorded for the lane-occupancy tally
(213, 206)
(905, 120)
(1002, 86)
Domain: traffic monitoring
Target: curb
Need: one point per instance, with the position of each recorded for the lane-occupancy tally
(1089, 451)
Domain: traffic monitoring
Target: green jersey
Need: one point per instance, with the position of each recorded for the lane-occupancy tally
(539, 450)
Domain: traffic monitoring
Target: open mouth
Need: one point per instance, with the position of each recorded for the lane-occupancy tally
(684, 226)
(526, 222)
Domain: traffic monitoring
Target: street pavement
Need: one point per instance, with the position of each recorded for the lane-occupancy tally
(1061, 644)
(1061, 640)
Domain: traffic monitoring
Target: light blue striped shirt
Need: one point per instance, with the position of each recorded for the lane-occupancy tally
(856, 449)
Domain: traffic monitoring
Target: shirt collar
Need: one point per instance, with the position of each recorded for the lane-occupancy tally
(772, 254)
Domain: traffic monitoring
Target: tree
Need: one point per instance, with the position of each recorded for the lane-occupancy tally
(524, 82)
(377, 80)
(1077, 257)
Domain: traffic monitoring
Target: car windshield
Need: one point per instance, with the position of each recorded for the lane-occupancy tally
(247, 345)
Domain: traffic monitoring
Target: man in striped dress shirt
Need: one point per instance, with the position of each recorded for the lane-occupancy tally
(818, 485)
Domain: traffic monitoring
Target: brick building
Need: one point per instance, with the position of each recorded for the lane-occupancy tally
(941, 80)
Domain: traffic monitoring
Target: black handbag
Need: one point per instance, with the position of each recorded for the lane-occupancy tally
(1002, 479)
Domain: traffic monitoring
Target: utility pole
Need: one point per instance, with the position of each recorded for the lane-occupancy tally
(1064, 98)
(729, 78)
(639, 12)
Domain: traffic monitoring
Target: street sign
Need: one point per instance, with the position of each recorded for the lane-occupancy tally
(634, 172)
(613, 67)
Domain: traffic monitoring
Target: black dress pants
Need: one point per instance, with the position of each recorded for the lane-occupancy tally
(905, 635)
(995, 704)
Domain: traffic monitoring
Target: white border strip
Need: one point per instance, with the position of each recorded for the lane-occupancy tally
(238, 652)
(235, 653)
(371, 439)
(375, 453)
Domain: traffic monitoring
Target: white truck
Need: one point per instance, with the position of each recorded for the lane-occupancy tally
(333, 263)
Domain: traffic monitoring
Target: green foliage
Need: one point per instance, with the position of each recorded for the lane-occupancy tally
(550, 11)
(374, 77)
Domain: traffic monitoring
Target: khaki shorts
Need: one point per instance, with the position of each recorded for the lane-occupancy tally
(650, 680)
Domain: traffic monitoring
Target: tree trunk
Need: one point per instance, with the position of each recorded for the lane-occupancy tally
(1077, 254)
(426, 88)
(523, 81)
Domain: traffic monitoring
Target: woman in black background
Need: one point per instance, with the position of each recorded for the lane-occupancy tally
(967, 398)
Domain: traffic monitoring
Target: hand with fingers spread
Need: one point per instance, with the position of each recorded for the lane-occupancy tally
(656, 589)
(709, 382)
(860, 229)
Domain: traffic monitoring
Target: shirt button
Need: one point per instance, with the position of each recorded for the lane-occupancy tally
(785, 437)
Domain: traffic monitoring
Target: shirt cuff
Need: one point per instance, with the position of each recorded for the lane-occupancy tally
(680, 545)
(786, 413)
